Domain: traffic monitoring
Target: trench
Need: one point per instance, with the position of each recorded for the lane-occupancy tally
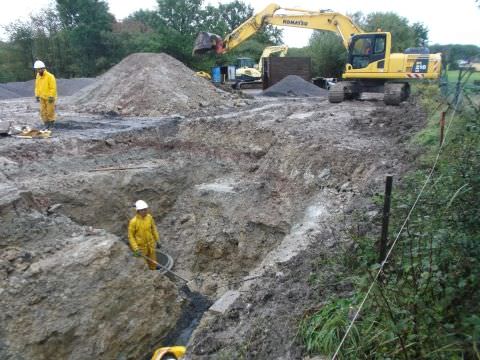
(176, 192)
(233, 194)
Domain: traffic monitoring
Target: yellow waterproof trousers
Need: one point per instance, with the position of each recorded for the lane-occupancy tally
(149, 251)
(47, 110)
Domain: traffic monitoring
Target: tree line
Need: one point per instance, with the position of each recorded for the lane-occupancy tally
(81, 38)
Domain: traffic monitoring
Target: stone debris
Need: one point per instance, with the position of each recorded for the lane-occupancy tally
(295, 86)
(65, 87)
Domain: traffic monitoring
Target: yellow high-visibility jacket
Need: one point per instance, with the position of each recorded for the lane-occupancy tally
(142, 232)
(45, 85)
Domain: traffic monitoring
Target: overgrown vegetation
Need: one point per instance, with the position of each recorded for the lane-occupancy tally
(426, 304)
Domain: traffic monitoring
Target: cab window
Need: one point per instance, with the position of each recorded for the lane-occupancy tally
(379, 45)
(366, 49)
(362, 46)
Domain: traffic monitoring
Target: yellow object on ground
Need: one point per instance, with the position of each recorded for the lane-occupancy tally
(169, 352)
(204, 75)
(33, 133)
(143, 236)
(46, 90)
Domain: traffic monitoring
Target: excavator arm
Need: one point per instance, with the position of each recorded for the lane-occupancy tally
(275, 15)
(269, 50)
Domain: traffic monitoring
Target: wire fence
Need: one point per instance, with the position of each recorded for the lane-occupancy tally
(454, 94)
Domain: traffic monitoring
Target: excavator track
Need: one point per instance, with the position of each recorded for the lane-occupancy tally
(394, 93)
(336, 94)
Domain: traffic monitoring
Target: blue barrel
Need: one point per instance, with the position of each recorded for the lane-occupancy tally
(216, 74)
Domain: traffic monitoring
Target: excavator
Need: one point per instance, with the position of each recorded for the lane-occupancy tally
(249, 72)
(371, 65)
(246, 69)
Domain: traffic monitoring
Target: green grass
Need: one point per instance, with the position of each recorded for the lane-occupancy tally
(453, 76)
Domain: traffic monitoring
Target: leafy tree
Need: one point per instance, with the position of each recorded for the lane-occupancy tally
(421, 34)
(86, 22)
(21, 34)
(182, 17)
(234, 13)
(150, 19)
(404, 35)
(328, 54)
(453, 52)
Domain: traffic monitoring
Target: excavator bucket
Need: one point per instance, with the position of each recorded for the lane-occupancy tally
(206, 42)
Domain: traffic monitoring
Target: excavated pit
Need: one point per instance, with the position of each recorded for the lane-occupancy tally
(257, 192)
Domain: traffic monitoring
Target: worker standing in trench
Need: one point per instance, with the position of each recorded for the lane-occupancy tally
(143, 234)
(45, 93)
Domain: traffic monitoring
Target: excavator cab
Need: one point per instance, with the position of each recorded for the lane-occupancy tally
(365, 49)
(245, 62)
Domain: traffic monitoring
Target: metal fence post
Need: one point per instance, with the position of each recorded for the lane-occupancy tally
(442, 127)
(385, 218)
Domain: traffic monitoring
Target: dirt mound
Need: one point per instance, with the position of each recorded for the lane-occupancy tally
(147, 84)
(65, 87)
(294, 85)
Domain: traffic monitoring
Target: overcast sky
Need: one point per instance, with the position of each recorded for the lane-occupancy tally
(448, 22)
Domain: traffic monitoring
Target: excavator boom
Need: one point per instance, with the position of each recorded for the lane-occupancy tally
(275, 15)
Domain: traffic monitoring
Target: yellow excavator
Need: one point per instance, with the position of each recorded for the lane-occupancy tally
(248, 74)
(371, 66)
(246, 70)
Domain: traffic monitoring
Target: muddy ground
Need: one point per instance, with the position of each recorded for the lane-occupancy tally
(266, 190)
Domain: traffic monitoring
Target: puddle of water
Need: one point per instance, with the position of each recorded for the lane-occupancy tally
(189, 319)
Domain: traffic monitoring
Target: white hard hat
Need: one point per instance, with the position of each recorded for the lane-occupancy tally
(39, 65)
(141, 205)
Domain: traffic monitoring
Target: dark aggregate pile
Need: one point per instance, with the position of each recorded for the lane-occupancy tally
(65, 87)
(295, 86)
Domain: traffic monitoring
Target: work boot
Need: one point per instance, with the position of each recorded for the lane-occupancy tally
(50, 125)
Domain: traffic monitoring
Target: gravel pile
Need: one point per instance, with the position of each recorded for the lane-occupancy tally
(147, 84)
(65, 87)
(295, 86)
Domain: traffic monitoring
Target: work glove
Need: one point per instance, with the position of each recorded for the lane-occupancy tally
(51, 99)
(136, 253)
(37, 98)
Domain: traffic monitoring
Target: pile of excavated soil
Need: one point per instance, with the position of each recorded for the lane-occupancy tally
(65, 87)
(147, 84)
(295, 86)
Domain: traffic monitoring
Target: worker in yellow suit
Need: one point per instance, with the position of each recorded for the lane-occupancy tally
(143, 234)
(45, 93)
